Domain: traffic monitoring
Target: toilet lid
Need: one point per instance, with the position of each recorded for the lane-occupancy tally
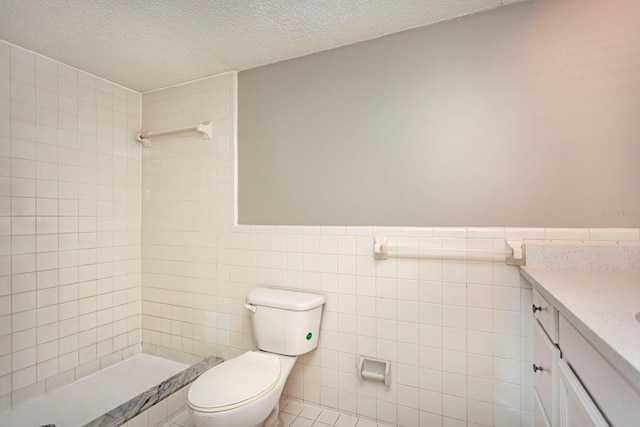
(235, 383)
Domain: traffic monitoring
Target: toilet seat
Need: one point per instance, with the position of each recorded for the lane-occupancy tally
(235, 383)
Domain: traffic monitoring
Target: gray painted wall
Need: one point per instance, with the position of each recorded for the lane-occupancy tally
(527, 115)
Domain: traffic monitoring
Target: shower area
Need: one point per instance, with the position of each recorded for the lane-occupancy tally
(109, 248)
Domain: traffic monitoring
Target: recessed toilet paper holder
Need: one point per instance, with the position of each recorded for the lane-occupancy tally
(374, 370)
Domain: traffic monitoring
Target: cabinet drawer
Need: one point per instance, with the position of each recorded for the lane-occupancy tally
(546, 314)
(545, 358)
(617, 400)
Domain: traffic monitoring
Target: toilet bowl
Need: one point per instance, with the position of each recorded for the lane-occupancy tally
(242, 394)
(245, 391)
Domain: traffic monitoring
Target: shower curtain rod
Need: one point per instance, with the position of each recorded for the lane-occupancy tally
(205, 128)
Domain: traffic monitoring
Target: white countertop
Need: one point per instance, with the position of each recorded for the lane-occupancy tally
(602, 306)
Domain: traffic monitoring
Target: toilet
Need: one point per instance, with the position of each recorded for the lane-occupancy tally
(245, 391)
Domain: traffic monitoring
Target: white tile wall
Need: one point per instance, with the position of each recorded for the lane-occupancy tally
(184, 180)
(69, 224)
(457, 333)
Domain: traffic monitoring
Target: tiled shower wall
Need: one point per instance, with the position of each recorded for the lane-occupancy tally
(458, 333)
(186, 189)
(69, 224)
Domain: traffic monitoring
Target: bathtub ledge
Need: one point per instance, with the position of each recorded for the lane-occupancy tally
(128, 410)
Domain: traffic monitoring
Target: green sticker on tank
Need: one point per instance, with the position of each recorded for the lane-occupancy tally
(309, 335)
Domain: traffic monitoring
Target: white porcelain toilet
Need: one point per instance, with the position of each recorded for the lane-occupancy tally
(245, 391)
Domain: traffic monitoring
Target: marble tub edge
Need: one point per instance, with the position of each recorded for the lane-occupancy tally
(145, 400)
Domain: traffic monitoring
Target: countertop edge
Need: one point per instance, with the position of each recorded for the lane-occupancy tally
(616, 360)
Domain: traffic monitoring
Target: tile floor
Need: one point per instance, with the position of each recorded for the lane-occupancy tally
(296, 414)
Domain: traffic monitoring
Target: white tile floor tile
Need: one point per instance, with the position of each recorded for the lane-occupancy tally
(302, 422)
(291, 407)
(346, 421)
(328, 417)
(286, 418)
(296, 414)
(310, 412)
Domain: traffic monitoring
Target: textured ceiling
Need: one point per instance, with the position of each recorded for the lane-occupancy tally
(148, 44)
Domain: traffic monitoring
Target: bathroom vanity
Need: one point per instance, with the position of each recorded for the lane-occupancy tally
(586, 347)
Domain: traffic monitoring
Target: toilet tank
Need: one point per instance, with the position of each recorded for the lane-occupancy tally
(285, 322)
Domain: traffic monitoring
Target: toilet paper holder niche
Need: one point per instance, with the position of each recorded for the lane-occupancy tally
(376, 370)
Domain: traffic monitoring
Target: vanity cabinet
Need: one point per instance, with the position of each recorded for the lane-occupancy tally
(560, 398)
(586, 347)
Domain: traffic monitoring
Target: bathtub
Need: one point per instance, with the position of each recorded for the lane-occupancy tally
(142, 386)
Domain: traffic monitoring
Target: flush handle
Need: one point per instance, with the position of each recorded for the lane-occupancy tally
(535, 308)
(251, 308)
(537, 368)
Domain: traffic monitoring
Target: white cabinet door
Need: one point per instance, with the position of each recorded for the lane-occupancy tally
(539, 416)
(575, 407)
(615, 397)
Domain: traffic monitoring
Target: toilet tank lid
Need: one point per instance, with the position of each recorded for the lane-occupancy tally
(284, 299)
